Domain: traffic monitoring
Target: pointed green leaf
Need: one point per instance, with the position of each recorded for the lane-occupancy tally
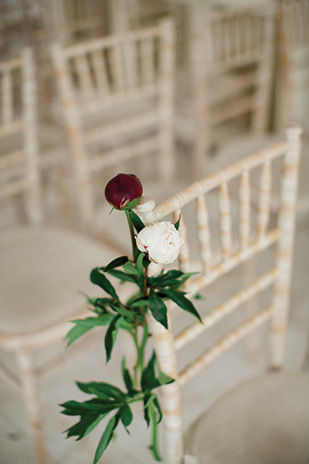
(129, 268)
(148, 380)
(101, 389)
(180, 299)
(106, 437)
(116, 263)
(126, 376)
(158, 407)
(177, 224)
(136, 221)
(84, 325)
(165, 379)
(123, 276)
(126, 416)
(110, 337)
(101, 280)
(84, 426)
(140, 302)
(158, 308)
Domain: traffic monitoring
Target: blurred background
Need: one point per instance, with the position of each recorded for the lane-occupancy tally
(170, 90)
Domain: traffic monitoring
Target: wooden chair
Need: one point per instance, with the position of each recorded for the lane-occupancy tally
(117, 99)
(235, 427)
(293, 66)
(230, 85)
(42, 268)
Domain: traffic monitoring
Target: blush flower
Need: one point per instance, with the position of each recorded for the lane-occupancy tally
(124, 191)
(160, 241)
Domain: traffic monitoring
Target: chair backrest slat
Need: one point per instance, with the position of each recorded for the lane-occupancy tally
(264, 199)
(225, 220)
(244, 214)
(203, 232)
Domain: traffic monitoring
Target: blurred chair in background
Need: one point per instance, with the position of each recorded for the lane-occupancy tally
(293, 66)
(42, 268)
(117, 98)
(264, 420)
(232, 52)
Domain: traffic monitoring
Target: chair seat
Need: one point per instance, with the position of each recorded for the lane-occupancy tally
(43, 271)
(263, 421)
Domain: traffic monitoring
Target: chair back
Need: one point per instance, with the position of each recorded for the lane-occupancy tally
(293, 28)
(254, 233)
(19, 173)
(131, 73)
(232, 58)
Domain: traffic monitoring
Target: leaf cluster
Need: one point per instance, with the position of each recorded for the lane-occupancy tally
(108, 400)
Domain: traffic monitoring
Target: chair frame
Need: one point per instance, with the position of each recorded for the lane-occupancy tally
(293, 55)
(166, 344)
(164, 89)
(209, 57)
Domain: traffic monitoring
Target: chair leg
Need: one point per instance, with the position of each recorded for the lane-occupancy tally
(29, 388)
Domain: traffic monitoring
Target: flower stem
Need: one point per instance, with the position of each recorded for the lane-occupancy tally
(154, 443)
(131, 228)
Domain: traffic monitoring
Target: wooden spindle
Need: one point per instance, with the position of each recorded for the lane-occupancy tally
(85, 81)
(244, 213)
(7, 97)
(225, 220)
(147, 60)
(264, 199)
(184, 255)
(203, 232)
(99, 68)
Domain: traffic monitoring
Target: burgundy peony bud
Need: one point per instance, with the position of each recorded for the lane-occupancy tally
(124, 191)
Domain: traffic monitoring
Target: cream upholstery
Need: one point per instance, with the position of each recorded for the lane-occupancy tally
(262, 421)
(42, 272)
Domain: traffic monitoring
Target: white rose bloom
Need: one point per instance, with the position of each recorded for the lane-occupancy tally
(161, 241)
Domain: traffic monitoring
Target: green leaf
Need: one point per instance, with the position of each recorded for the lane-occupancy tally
(158, 308)
(198, 296)
(106, 437)
(99, 279)
(139, 263)
(84, 325)
(85, 425)
(110, 337)
(148, 380)
(136, 221)
(116, 263)
(131, 269)
(180, 299)
(158, 407)
(162, 278)
(75, 408)
(147, 399)
(122, 276)
(101, 389)
(165, 379)
(177, 223)
(138, 303)
(126, 416)
(126, 376)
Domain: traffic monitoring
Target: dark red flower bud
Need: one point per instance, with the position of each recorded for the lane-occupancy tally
(124, 191)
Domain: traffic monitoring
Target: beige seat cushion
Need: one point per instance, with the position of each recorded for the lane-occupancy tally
(43, 271)
(263, 421)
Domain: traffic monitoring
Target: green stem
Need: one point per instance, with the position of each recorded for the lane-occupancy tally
(143, 346)
(131, 228)
(154, 443)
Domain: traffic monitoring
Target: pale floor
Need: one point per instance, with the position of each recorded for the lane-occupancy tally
(58, 386)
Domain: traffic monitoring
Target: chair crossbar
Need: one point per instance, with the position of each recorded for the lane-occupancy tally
(225, 343)
(235, 259)
(214, 316)
(231, 86)
(125, 125)
(210, 183)
(10, 128)
(101, 44)
(133, 150)
(241, 106)
(146, 91)
(12, 159)
(14, 188)
(241, 60)
(10, 65)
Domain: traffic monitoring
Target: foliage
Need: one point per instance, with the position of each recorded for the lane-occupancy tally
(152, 293)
